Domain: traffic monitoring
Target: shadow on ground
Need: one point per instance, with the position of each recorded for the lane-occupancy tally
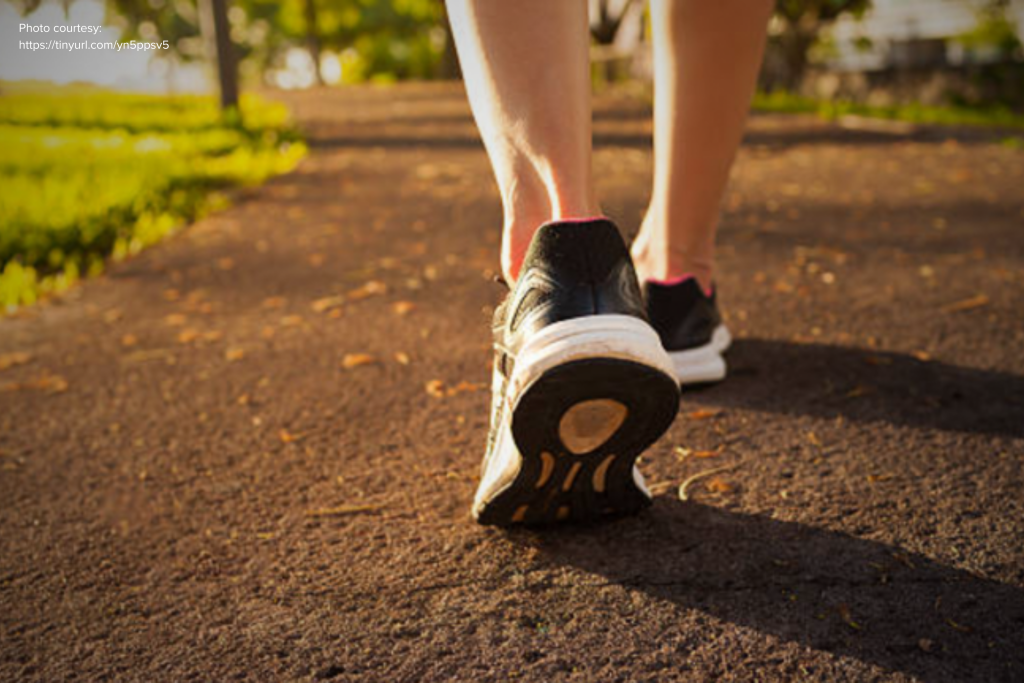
(866, 385)
(824, 590)
(456, 131)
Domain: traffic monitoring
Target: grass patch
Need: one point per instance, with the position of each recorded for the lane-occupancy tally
(783, 102)
(86, 175)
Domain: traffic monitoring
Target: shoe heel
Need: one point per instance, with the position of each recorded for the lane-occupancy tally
(597, 396)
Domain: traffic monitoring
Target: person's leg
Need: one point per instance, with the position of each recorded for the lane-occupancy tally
(581, 382)
(706, 60)
(526, 68)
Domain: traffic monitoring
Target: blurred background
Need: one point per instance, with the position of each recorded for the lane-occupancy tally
(105, 151)
(882, 51)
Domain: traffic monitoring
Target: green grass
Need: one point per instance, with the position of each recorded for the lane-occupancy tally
(86, 175)
(783, 102)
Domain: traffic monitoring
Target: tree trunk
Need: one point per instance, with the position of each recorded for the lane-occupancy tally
(313, 38)
(227, 66)
(795, 44)
(448, 68)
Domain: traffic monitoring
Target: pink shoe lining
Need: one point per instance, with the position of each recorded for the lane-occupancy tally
(671, 282)
(589, 219)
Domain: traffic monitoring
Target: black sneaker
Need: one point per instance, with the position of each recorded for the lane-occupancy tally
(691, 329)
(581, 386)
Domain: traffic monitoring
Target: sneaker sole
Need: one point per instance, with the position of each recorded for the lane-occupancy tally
(703, 364)
(580, 423)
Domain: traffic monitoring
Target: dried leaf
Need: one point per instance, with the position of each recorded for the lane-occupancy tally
(684, 488)
(291, 321)
(402, 358)
(403, 307)
(226, 263)
(288, 437)
(54, 384)
(112, 316)
(703, 413)
(327, 303)
(438, 389)
(274, 302)
(371, 288)
(783, 287)
(813, 438)
(659, 487)
(875, 478)
(859, 390)
(316, 260)
(15, 358)
(188, 335)
(175, 320)
(462, 387)
(234, 353)
(966, 304)
(129, 340)
(354, 360)
(922, 356)
(718, 485)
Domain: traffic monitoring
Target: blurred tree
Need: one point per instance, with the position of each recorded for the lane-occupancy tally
(227, 66)
(313, 38)
(194, 29)
(27, 7)
(391, 39)
(181, 23)
(448, 65)
(606, 19)
(376, 38)
(995, 30)
(617, 29)
(800, 24)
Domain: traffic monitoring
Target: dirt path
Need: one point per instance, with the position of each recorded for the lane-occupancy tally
(196, 487)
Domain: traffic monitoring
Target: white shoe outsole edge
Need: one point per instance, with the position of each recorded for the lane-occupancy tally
(703, 364)
(595, 336)
(598, 336)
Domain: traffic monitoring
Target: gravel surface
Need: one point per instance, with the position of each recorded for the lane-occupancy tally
(249, 453)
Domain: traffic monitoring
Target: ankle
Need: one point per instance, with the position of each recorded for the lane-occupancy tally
(664, 266)
(659, 258)
(519, 235)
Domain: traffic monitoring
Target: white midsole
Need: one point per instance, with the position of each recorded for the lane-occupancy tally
(599, 336)
(703, 363)
(596, 336)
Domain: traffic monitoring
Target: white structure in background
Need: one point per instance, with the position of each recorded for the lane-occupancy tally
(295, 72)
(122, 70)
(911, 33)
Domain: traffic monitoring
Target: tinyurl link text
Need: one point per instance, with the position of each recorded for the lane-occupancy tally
(68, 46)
